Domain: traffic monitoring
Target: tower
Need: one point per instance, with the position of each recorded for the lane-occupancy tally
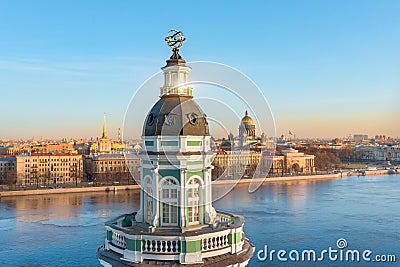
(104, 143)
(176, 224)
(119, 136)
(247, 126)
(177, 155)
(247, 131)
(104, 136)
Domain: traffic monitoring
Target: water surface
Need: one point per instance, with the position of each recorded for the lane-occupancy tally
(67, 229)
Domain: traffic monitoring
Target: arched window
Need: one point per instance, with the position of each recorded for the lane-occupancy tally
(193, 197)
(169, 200)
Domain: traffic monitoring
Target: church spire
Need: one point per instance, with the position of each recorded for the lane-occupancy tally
(104, 127)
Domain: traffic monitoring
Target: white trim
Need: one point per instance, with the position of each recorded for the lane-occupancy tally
(104, 263)
(182, 143)
(151, 256)
(162, 181)
(216, 252)
(116, 249)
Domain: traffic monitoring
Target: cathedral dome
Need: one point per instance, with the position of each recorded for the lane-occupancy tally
(247, 120)
(175, 115)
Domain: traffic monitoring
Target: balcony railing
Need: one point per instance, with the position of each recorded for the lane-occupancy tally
(118, 240)
(214, 240)
(159, 245)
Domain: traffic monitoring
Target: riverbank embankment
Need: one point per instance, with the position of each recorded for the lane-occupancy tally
(279, 179)
(217, 182)
(68, 190)
(372, 172)
(136, 187)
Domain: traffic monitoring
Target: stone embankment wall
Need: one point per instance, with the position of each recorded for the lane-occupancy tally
(67, 190)
(217, 182)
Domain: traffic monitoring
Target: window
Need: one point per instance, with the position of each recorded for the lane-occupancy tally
(193, 201)
(170, 214)
(169, 199)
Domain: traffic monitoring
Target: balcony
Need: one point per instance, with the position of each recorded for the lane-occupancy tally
(138, 242)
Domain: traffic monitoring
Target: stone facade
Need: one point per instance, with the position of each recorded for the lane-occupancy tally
(243, 164)
(48, 169)
(377, 153)
(7, 170)
(298, 162)
(113, 168)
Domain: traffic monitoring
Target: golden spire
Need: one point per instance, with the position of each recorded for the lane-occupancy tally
(104, 128)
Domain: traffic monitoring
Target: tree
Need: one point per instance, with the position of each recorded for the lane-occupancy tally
(325, 158)
(10, 177)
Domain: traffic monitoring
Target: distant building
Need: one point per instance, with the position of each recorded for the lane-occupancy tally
(377, 153)
(380, 137)
(109, 168)
(37, 169)
(34, 147)
(82, 148)
(105, 145)
(53, 148)
(247, 127)
(298, 162)
(247, 138)
(238, 164)
(17, 149)
(360, 137)
(7, 170)
(239, 157)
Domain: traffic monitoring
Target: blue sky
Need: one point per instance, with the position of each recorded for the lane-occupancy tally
(327, 68)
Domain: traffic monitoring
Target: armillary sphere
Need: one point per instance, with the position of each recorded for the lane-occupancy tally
(175, 39)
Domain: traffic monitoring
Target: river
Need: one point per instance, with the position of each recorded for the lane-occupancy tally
(67, 229)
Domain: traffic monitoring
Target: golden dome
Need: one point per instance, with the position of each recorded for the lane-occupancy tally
(247, 120)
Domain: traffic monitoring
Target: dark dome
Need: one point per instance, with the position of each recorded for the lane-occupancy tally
(175, 115)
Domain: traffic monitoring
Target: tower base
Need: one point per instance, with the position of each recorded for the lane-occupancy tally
(108, 259)
(220, 244)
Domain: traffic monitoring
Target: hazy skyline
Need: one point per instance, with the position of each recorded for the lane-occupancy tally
(327, 69)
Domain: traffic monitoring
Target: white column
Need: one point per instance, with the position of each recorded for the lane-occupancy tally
(156, 198)
(209, 210)
(183, 198)
(139, 215)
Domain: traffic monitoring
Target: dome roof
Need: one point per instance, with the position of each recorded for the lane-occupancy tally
(175, 115)
(247, 120)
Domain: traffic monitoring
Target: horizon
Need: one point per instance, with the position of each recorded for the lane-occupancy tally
(327, 70)
(138, 139)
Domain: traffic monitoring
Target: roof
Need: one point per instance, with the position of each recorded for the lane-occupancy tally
(6, 157)
(58, 154)
(175, 115)
(116, 156)
(175, 59)
(247, 119)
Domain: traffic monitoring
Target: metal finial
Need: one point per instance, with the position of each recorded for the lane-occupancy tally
(175, 40)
